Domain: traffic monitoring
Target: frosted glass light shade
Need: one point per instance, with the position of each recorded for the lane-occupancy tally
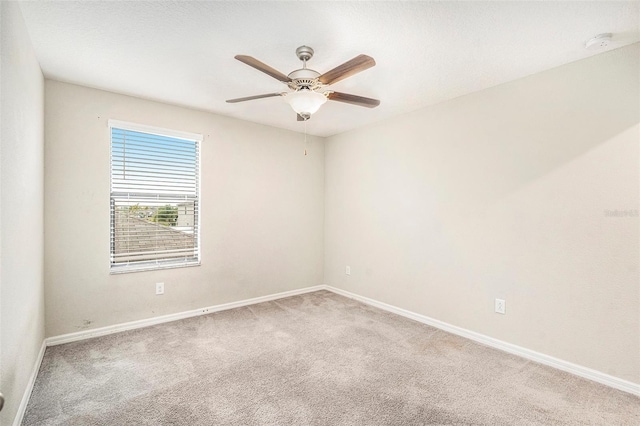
(305, 101)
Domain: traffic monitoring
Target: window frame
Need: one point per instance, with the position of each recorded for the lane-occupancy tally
(158, 264)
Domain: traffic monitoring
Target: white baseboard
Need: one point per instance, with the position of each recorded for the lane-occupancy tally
(541, 358)
(22, 408)
(111, 329)
(578, 370)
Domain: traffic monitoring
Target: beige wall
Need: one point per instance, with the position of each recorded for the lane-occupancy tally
(262, 212)
(502, 194)
(21, 201)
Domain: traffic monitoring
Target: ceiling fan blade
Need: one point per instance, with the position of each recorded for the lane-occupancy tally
(349, 68)
(353, 99)
(250, 98)
(253, 62)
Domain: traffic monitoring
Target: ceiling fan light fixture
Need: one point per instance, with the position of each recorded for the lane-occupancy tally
(305, 102)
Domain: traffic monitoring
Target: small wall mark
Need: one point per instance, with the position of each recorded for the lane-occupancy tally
(85, 324)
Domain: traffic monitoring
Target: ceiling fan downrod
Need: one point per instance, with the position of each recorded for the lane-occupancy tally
(304, 53)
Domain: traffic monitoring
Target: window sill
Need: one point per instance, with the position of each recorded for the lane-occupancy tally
(116, 270)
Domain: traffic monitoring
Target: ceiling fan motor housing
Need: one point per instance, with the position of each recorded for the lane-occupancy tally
(304, 78)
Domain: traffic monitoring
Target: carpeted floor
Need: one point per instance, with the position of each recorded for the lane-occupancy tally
(314, 359)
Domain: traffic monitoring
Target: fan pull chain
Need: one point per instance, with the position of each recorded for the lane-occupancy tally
(305, 137)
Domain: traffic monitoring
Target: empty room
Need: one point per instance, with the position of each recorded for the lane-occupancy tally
(320, 213)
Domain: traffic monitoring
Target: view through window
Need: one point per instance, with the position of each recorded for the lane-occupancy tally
(154, 198)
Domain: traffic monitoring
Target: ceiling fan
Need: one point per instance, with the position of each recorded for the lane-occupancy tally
(309, 87)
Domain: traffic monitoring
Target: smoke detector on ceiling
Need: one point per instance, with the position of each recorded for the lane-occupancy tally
(601, 41)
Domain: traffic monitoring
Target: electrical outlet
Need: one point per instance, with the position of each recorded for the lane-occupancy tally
(159, 288)
(347, 270)
(501, 306)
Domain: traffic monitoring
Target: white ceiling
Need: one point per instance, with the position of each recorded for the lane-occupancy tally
(426, 52)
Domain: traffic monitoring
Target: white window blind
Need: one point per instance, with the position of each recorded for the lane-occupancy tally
(154, 198)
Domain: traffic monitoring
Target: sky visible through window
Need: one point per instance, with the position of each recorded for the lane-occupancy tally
(144, 163)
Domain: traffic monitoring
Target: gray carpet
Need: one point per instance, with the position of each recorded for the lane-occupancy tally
(315, 359)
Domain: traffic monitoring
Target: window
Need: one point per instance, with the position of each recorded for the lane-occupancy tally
(155, 192)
